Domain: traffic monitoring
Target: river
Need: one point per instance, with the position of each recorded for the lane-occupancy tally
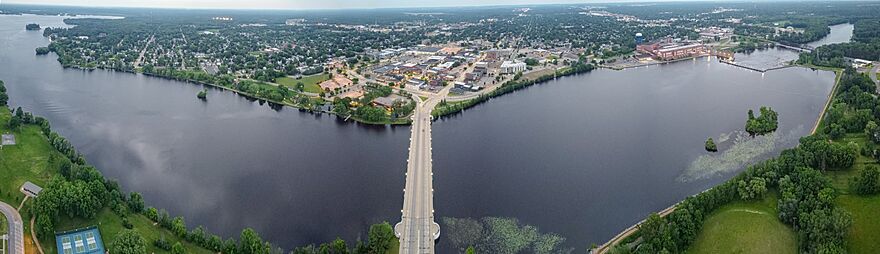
(777, 57)
(582, 156)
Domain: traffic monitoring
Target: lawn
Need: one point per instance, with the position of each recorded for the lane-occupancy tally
(310, 83)
(745, 227)
(864, 235)
(110, 224)
(34, 159)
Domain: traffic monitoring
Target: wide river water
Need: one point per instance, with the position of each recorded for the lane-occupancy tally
(583, 156)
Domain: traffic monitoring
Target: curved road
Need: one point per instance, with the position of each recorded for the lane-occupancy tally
(16, 235)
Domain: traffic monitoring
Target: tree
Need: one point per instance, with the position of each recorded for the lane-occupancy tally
(380, 236)
(710, 145)
(178, 249)
(152, 214)
(178, 226)
(136, 202)
(767, 122)
(251, 243)
(129, 242)
(4, 98)
(873, 132)
(752, 189)
(867, 182)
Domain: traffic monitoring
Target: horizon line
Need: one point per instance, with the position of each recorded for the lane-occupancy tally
(415, 7)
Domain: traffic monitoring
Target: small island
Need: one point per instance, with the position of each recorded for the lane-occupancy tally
(763, 124)
(203, 94)
(42, 50)
(710, 145)
(32, 27)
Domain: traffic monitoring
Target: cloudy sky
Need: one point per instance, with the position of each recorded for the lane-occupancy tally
(298, 4)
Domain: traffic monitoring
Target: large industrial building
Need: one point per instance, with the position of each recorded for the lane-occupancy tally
(671, 51)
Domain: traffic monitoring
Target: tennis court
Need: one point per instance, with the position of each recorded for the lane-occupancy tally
(80, 241)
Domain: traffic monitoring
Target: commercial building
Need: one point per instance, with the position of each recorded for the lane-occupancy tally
(508, 67)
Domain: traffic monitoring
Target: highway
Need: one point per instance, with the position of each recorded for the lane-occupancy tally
(16, 235)
(417, 229)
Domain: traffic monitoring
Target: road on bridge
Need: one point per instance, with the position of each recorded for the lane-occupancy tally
(417, 229)
(15, 232)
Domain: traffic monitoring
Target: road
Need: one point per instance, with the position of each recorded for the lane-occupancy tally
(873, 74)
(140, 59)
(417, 229)
(16, 229)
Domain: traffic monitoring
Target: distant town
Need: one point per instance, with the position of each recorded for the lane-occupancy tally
(345, 66)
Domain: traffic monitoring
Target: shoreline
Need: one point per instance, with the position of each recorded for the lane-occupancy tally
(605, 247)
(447, 109)
(273, 103)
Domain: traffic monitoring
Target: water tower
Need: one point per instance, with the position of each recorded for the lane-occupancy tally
(639, 39)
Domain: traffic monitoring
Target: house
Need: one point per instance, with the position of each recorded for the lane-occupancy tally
(30, 189)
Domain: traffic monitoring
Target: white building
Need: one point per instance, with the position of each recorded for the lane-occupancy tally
(508, 67)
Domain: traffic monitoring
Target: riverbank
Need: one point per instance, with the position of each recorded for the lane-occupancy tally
(450, 108)
(654, 62)
(36, 157)
(275, 104)
(632, 234)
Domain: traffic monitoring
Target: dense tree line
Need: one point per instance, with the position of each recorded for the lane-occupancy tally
(260, 90)
(4, 98)
(865, 45)
(854, 107)
(805, 203)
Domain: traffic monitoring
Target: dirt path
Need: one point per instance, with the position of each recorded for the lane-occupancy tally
(629, 231)
(827, 103)
(34, 236)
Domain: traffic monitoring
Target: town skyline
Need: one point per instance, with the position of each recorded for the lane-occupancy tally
(317, 5)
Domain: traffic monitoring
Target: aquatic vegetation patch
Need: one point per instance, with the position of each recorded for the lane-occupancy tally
(744, 150)
(500, 235)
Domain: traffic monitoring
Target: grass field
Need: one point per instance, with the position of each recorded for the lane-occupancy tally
(745, 227)
(310, 83)
(34, 159)
(864, 236)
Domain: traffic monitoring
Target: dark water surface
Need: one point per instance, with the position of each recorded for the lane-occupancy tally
(583, 156)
